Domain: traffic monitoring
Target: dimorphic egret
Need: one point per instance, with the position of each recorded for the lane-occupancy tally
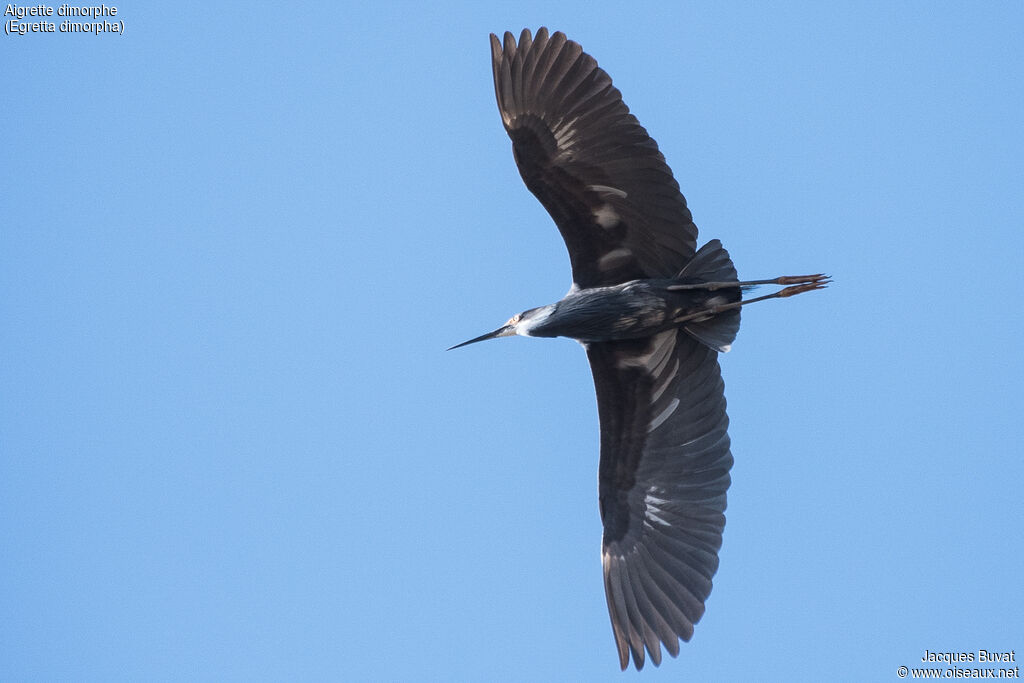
(652, 311)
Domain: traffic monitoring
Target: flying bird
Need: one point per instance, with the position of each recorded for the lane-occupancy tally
(652, 311)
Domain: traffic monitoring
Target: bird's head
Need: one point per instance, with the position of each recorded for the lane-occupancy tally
(521, 324)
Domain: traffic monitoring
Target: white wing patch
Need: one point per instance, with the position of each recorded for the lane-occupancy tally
(605, 190)
(664, 380)
(606, 216)
(661, 346)
(652, 506)
(613, 257)
(663, 415)
(565, 134)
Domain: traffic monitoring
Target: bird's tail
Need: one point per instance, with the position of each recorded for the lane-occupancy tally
(711, 263)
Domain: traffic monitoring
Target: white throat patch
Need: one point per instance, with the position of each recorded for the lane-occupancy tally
(524, 327)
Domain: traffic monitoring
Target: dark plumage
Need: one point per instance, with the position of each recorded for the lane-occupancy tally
(652, 313)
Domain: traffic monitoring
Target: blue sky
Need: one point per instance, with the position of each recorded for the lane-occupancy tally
(236, 241)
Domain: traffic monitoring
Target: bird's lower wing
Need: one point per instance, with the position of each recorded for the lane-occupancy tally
(664, 473)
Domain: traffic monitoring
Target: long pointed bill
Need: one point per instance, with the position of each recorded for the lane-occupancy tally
(503, 331)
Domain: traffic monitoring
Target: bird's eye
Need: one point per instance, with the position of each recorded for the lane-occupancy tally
(515, 319)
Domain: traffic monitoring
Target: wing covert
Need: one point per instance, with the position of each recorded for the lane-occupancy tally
(590, 162)
(664, 473)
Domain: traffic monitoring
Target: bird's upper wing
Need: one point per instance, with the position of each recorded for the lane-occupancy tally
(590, 162)
(664, 473)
